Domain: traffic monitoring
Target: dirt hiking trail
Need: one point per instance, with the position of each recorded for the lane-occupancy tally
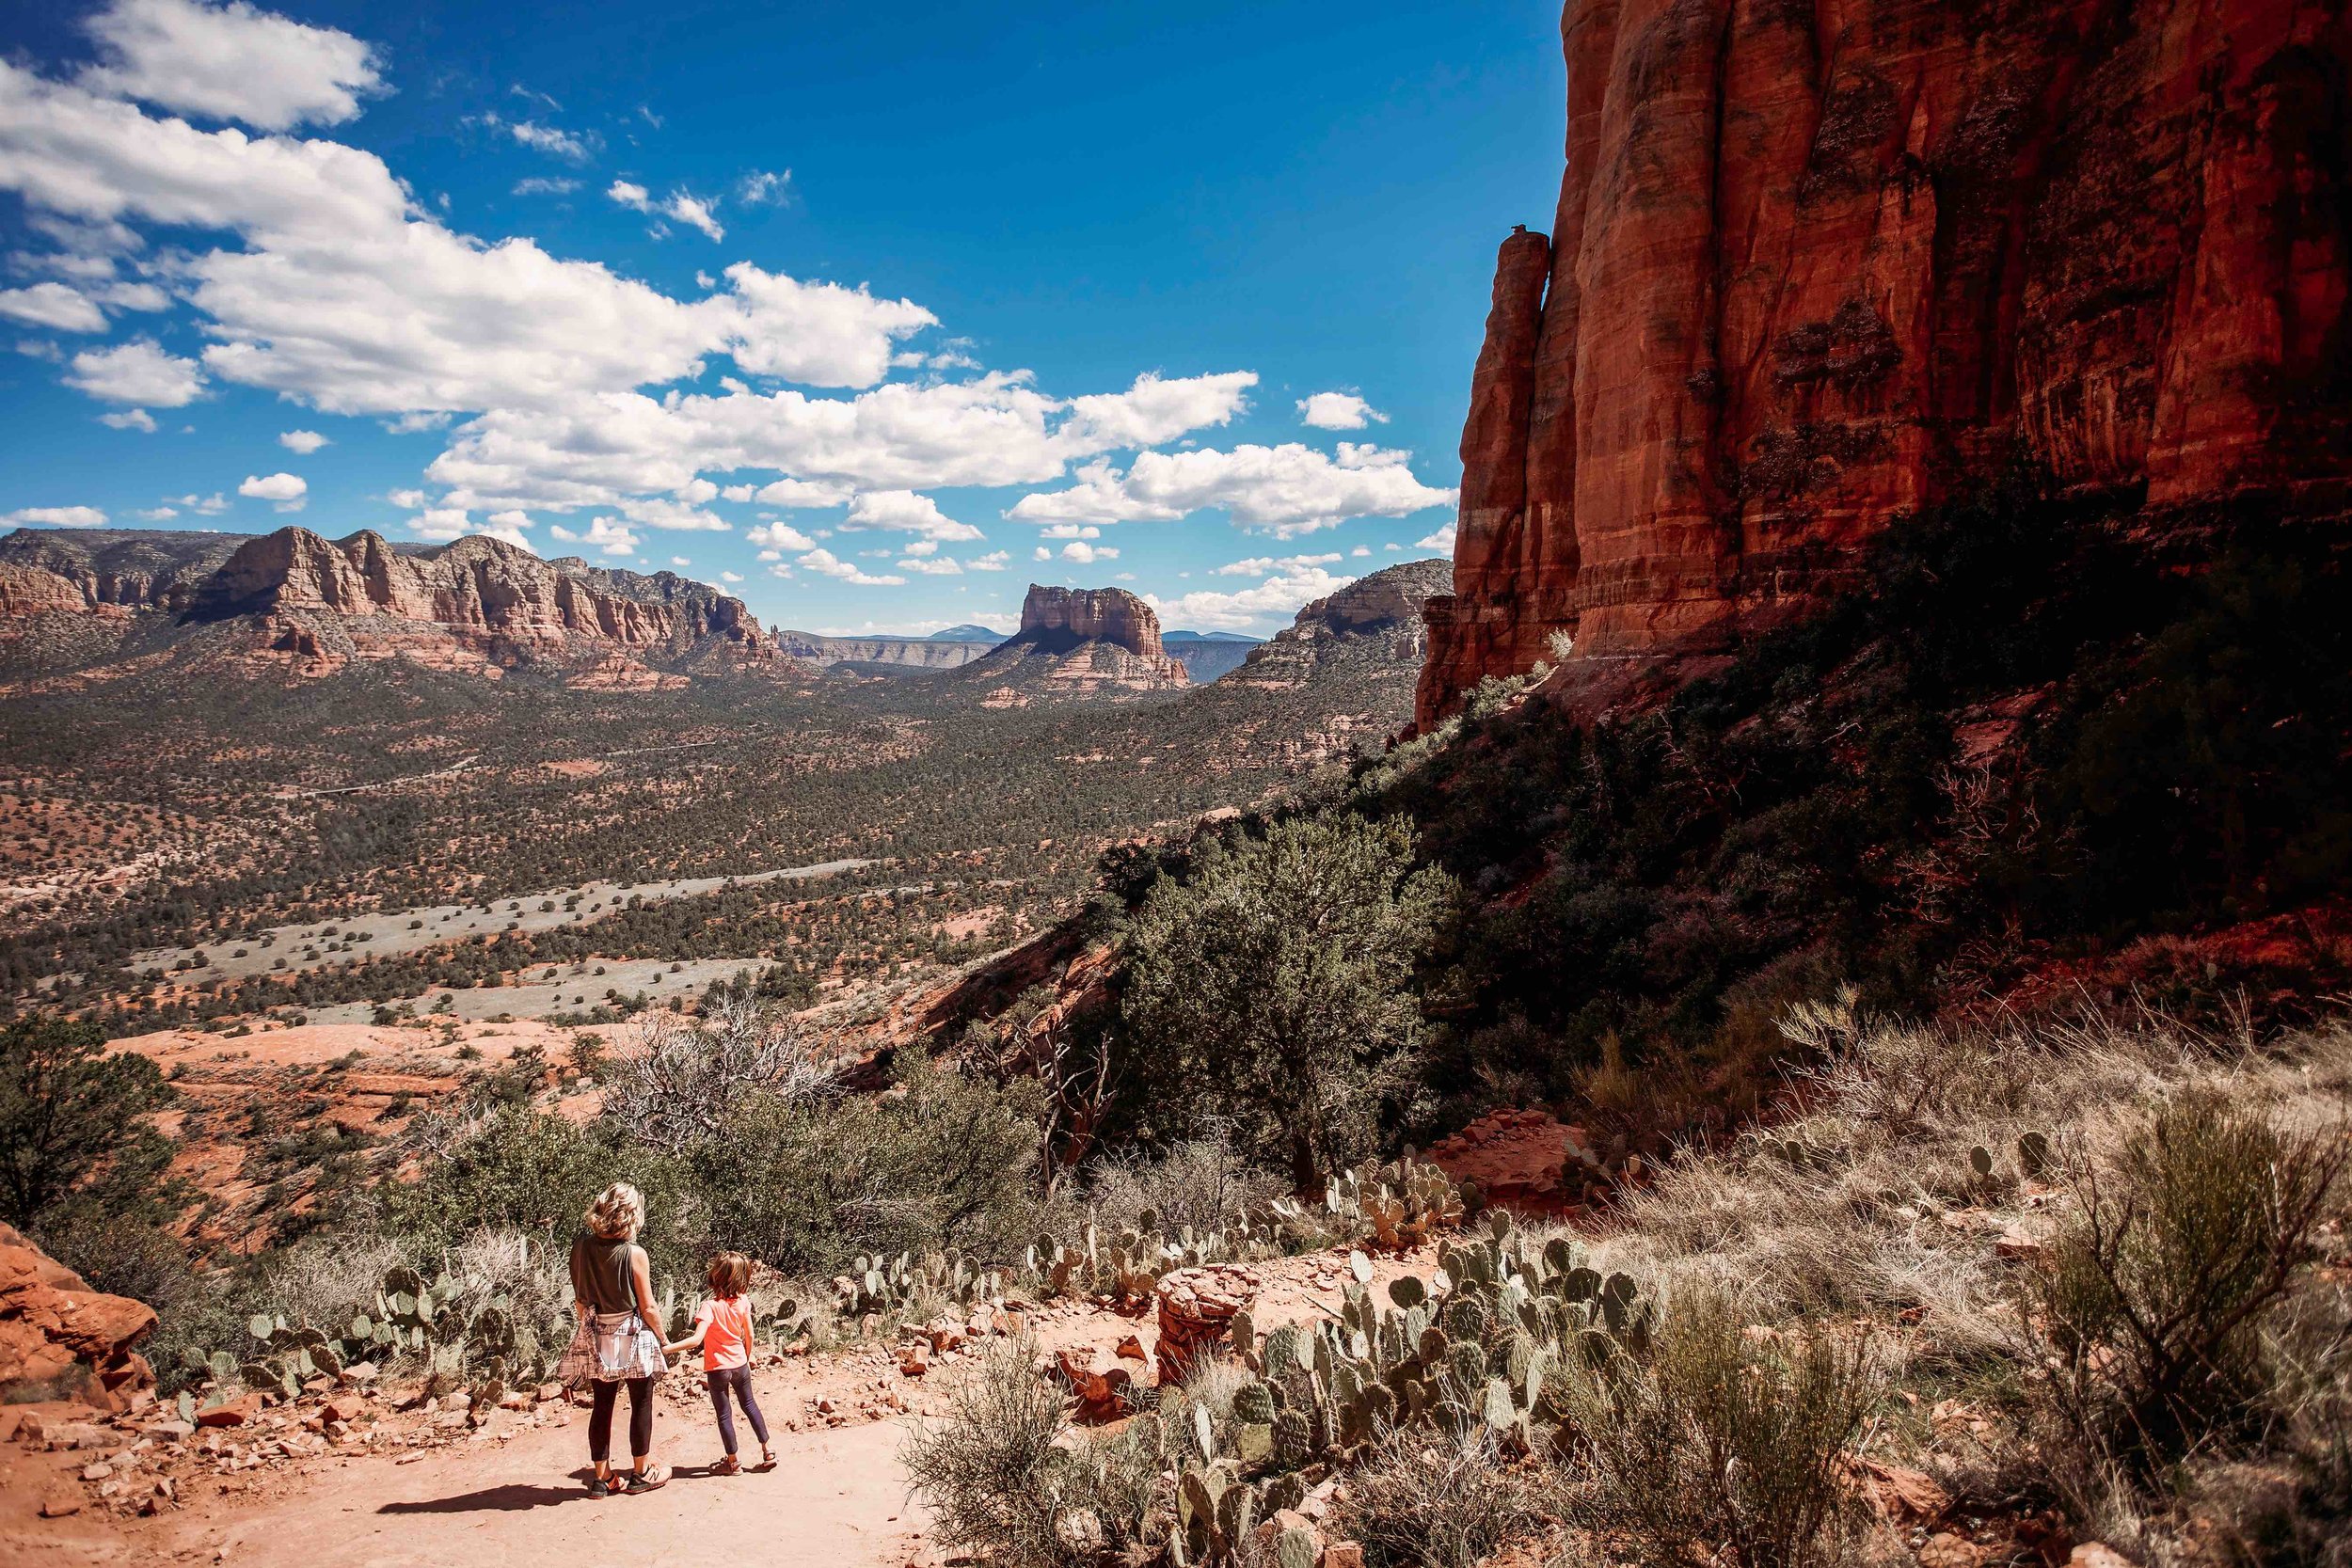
(408, 1490)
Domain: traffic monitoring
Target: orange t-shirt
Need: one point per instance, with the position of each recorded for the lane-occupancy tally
(726, 1325)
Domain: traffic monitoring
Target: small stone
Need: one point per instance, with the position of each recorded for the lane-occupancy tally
(59, 1504)
(1343, 1554)
(235, 1413)
(98, 1471)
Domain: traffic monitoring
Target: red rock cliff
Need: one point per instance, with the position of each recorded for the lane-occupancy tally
(1818, 263)
(479, 586)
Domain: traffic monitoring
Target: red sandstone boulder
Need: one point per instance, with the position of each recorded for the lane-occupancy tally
(1195, 1307)
(56, 1331)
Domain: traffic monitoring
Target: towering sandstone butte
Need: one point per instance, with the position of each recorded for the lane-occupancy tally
(1076, 642)
(1072, 615)
(1818, 263)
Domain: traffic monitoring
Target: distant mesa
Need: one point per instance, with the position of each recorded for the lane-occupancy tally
(966, 633)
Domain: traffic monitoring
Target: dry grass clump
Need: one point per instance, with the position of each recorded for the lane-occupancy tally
(999, 1486)
(1200, 1182)
(1724, 1445)
(1429, 1499)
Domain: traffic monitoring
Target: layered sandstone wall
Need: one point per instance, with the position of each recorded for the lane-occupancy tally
(1818, 263)
(478, 586)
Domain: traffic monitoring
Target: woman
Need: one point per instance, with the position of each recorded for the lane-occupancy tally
(612, 1298)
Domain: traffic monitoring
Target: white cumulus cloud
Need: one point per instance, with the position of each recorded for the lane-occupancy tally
(136, 372)
(304, 441)
(1338, 411)
(906, 510)
(609, 537)
(285, 492)
(231, 61)
(1285, 491)
(57, 516)
(130, 419)
(56, 306)
(831, 566)
(1280, 595)
(1441, 541)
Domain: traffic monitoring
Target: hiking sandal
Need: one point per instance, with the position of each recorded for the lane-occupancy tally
(730, 1466)
(767, 1460)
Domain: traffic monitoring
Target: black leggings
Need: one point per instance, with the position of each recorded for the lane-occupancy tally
(736, 1380)
(608, 1393)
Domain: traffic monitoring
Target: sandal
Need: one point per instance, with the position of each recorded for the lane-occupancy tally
(767, 1460)
(653, 1478)
(730, 1466)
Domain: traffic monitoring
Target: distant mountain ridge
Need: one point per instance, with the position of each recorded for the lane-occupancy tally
(298, 599)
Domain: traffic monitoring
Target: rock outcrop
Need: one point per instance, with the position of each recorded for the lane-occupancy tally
(58, 1337)
(1375, 621)
(1817, 264)
(1083, 643)
(318, 603)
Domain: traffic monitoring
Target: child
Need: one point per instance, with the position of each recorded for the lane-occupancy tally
(722, 1329)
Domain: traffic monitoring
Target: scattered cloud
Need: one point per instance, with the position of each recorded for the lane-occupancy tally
(136, 372)
(285, 492)
(730, 576)
(1441, 541)
(678, 206)
(829, 565)
(778, 536)
(609, 537)
(1338, 411)
(992, 562)
(56, 306)
(304, 441)
(547, 138)
(130, 419)
(1281, 595)
(230, 61)
(763, 188)
(155, 513)
(1285, 491)
(58, 516)
(1086, 554)
(909, 512)
(931, 565)
(212, 505)
(1259, 565)
(541, 184)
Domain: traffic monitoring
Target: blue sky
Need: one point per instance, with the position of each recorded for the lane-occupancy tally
(853, 309)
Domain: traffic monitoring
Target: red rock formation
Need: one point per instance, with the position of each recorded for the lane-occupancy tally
(58, 1337)
(1072, 615)
(478, 585)
(1818, 263)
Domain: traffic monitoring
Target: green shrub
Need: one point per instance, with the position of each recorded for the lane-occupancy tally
(1271, 992)
(1722, 1442)
(72, 1132)
(2155, 1302)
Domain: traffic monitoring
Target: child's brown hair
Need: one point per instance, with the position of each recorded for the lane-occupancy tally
(729, 1275)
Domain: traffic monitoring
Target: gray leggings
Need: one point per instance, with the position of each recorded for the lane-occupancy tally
(735, 1381)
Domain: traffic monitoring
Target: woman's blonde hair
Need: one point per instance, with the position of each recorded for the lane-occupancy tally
(619, 1212)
